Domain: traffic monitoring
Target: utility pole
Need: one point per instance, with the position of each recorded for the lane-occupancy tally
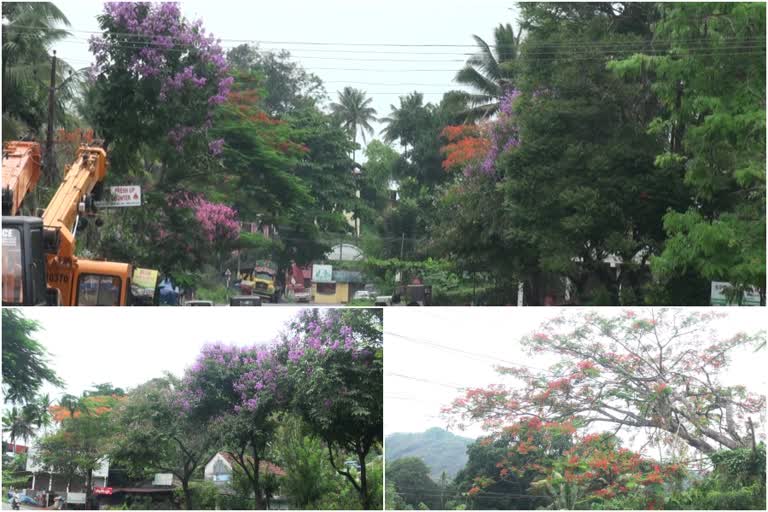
(402, 245)
(50, 164)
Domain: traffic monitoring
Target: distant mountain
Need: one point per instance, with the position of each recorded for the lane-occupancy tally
(438, 448)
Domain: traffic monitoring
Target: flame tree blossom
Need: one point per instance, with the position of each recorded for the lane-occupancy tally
(476, 148)
(156, 74)
(659, 369)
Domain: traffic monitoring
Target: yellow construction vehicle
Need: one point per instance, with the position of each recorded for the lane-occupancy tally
(23, 259)
(39, 262)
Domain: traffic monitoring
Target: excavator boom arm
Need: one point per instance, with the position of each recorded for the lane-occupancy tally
(21, 172)
(88, 169)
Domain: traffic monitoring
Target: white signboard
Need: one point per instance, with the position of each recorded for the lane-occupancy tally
(127, 195)
(718, 296)
(75, 498)
(322, 273)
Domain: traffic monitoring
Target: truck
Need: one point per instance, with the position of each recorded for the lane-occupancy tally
(261, 280)
(39, 264)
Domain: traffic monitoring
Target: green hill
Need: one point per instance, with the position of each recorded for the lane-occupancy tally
(439, 449)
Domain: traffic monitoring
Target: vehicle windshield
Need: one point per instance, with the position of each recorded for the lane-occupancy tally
(13, 267)
(98, 290)
(262, 275)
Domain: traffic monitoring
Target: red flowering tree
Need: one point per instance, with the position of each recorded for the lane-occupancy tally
(466, 146)
(659, 370)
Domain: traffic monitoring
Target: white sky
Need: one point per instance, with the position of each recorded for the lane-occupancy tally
(414, 406)
(338, 21)
(128, 346)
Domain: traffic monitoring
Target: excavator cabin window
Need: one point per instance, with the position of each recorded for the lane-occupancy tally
(13, 267)
(98, 290)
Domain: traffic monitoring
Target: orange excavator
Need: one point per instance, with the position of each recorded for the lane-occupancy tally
(39, 262)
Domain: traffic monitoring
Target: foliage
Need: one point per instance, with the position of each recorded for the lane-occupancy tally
(713, 116)
(410, 477)
(737, 482)
(288, 86)
(29, 29)
(309, 476)
(233, 392)
(334, 360)
(354, 112)
(654, 372)
(153, 436)
(166, 89)
(25, 368)
(78, 447)
(491, 73)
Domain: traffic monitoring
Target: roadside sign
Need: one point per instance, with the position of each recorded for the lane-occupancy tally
(106, 491)
(75, 498)
(718, 295)
(322, 273)
(122, 196)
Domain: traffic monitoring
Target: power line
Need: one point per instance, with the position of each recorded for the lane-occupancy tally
(426, 381)
(546, 55)
(464, 352)
(400, 45)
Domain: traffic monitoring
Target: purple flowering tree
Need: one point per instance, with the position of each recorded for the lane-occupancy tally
(334, 360)
(157, 79)
(234, 393)
(502, 133)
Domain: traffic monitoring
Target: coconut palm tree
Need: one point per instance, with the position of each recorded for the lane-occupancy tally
(405, 121)
(490, 73)
(41, 411)
(29, 30)
(354, 112)
(19, 424)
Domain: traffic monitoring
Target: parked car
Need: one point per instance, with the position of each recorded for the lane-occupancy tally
(199, 303)
(361, 295)
(245, 300)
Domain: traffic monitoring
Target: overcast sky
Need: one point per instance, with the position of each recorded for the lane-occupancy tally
(128, 346)
(421, 378)
(350, 23)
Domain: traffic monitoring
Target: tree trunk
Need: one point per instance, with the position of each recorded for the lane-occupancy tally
(88, 490)
(365, 498)
(187, 494)
(257, 502)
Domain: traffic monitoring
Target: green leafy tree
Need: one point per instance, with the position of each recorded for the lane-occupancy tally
(335, 362)
(288, 86)
(303, 457)
(711, 84)
(25, 368)
(78, 447)
(153, 435)
(606, 198)
(410, 477)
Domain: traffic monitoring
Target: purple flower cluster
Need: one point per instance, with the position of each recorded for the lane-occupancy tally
(503, 135)
(218, 221)
(180, 55)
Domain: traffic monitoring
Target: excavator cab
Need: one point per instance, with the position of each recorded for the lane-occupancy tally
(24, 263)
